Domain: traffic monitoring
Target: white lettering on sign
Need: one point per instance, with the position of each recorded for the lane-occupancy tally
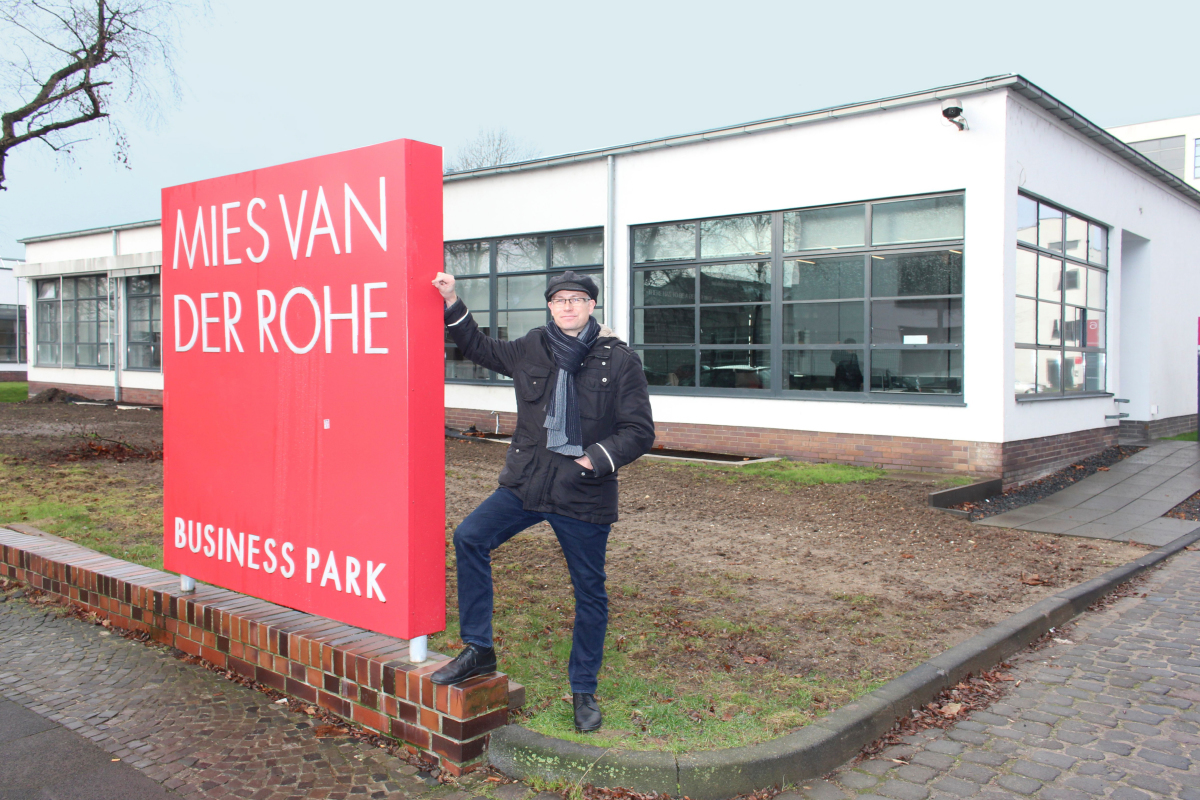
(340, 573)
(320, 224)
(292, 327)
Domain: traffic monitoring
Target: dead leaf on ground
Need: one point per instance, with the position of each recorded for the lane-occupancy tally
(1032, 580)
(755, 659)
(326, 731)
(950, 709)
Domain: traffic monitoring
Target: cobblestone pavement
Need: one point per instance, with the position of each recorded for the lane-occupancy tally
(194, 732)
(1114, 713)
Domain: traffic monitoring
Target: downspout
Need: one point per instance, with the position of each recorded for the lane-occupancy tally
(610, 244)
(114, 327)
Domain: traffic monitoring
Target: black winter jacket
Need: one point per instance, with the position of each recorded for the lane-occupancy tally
(614, 409)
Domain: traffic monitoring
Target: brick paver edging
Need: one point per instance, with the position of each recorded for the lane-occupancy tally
(354, 673)
(816, 749)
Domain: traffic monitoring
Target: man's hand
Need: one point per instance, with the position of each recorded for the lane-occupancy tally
(584, 462)
(445, 285)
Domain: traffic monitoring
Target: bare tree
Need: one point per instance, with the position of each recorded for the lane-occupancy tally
(65, 63)
(491, 147)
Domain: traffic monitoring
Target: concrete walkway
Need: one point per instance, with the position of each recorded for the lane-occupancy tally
(1125, 502)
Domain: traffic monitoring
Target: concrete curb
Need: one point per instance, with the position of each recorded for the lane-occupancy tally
(815, 749)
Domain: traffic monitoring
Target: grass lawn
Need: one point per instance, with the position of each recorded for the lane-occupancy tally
(14, 392)
(1190, 436)
(787, 474)
(88, 502)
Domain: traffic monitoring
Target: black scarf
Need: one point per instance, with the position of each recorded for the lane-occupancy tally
(564, 430)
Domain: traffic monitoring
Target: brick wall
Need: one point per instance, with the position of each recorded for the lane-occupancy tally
(13, 376)
(1159, 428)
(149, 397)
(1015, 461)
(366, 677)
(1028, 459)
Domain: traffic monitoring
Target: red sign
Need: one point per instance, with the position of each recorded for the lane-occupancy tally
(303, 403)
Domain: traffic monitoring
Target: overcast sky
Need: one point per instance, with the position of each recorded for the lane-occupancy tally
(270, 82)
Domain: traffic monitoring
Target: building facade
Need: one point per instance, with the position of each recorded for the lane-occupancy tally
(1173, 144)
(14, 357)
(975, 304)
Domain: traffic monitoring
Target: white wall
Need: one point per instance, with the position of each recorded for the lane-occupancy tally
(904, 151)
(1157, 365)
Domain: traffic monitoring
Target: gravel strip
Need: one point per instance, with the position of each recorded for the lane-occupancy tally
(1188, 509)
(1029, 493)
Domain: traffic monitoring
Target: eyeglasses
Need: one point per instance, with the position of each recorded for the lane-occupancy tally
(563, 302)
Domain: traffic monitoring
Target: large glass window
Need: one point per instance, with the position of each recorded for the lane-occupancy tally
(503, 282)
(12, 334)
(1062, 289)
(49, 328)
(862, 299)
(143, 323)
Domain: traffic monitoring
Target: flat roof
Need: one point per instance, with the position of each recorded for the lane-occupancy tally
(1027, 89)
(128, 226)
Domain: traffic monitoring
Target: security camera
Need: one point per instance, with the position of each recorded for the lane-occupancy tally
(952, 110)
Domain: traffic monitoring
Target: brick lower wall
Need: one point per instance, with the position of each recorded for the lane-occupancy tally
(1016, 461)
(366, 677)
(149, 397)
(1159, 428)
(13, 376)
(1028, 459)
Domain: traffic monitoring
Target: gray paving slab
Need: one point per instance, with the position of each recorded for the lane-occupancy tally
(1124, 688)
(1172, 525)
(1107, 502)
(1150, 536)
(1051, 525)
(1131, 496)
(42, 759)
(1079, 515)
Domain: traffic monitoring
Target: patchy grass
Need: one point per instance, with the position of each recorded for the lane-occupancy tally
(14, 392)
(746, 699)
(957, 480)
(789, 473)
(88, 502)
(1190, 436)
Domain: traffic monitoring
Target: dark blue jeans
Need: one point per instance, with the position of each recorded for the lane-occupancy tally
(498, 519)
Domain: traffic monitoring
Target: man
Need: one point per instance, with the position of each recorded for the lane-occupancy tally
(583, 412)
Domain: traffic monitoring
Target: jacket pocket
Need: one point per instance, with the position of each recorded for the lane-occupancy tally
(531, 383)
(594, 390)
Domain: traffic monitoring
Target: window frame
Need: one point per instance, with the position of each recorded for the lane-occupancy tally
(1062, 349)
(776, 348)
(128, 342)
(494, 276)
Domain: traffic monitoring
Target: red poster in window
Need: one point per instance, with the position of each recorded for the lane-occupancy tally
(303, 405)
(1093, 333)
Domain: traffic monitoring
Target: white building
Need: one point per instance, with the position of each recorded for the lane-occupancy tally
(975, 302)
(13, 300)
(1173, 144)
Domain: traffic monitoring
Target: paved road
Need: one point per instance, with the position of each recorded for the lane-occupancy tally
(1114, 714)
(1125, 502)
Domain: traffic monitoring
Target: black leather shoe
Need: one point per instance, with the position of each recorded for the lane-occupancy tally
(473, 660)
(587, 713)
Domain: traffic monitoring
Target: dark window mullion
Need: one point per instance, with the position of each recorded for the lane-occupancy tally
(868, 334)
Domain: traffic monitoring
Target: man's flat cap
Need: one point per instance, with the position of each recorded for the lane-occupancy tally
(572, 281)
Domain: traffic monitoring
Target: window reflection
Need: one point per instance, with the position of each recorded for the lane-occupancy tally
(525, 254)
(735, 369)
(823, 323)
(664, 287)
(925, 220)
(467, 258)
(575, 251)
(664, 325)
(823, 278)
(735, 324)
(735, 283)
(738, 236)
(916, 274)
(664, 243)
(669, 367)
(929, 321)
(823, 370)
(823, 228)
(917, 371)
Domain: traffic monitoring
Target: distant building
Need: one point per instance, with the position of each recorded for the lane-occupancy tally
(873, 283)
(1173, 144)
(13, 338)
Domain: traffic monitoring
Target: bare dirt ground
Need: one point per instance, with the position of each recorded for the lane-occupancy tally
(742, 605)
(847, 578)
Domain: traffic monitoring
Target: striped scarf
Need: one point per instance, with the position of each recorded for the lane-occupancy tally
(564, 432)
